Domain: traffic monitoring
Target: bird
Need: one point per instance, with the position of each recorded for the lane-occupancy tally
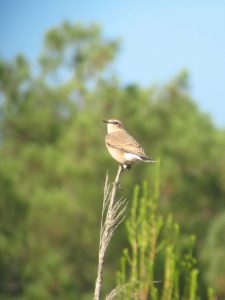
(122, 146)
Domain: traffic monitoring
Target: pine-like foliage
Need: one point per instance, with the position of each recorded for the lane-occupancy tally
(158, 264)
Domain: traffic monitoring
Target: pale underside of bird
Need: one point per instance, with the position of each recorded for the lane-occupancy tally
(122, 146)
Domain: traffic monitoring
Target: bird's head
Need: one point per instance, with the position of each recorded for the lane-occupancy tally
(113, 125)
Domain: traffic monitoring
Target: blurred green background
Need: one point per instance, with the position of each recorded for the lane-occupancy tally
(53, 165)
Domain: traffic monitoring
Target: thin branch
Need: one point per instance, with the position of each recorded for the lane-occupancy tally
(113, 213)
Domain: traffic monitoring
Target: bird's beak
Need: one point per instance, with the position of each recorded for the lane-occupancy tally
(105, 121)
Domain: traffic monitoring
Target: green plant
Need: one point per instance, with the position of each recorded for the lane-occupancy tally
(159, 261)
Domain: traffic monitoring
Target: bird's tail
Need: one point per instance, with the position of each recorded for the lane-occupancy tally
(147, 159)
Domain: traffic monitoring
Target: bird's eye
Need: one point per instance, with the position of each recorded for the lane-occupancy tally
(116, 123)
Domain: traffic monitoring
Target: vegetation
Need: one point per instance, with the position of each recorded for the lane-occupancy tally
(53, 165)
(159, 262)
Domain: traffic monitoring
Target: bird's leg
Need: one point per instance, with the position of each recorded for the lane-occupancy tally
(125, 167)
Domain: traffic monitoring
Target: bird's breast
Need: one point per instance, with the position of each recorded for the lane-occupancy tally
(116, 154)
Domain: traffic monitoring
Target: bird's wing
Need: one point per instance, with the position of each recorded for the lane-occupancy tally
(121, 140)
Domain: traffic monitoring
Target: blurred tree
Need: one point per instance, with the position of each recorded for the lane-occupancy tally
(55, 160)
(214, 255)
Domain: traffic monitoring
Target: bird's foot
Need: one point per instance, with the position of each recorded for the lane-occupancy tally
(125, 167)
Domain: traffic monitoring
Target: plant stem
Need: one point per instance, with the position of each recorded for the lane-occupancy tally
(114, 216)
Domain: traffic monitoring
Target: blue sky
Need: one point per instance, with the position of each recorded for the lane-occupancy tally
(159, 38)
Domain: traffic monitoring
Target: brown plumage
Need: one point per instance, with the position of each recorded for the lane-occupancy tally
(122, 146)
(121, 140)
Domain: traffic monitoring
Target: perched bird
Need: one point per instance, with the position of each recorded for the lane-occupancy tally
(122, 146)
